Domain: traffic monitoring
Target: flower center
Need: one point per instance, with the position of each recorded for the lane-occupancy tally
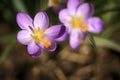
(39, 37)
(77, 23)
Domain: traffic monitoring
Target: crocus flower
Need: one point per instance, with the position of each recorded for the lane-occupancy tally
(78, 19)
(36, 34)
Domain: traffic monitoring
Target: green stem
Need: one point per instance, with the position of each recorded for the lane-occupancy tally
(7, 50)
(102, 42)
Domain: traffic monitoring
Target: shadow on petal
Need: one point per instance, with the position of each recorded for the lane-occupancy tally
(63, 37)
(55, 31)
(34, 50)
(52, 47)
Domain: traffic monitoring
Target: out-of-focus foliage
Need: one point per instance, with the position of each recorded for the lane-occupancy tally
(108, 10)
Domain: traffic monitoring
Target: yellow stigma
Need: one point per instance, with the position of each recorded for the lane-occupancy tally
(84, 28)
(39, 37)
(46, 43)
(77, 23)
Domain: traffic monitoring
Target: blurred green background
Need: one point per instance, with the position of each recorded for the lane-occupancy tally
(107, 10)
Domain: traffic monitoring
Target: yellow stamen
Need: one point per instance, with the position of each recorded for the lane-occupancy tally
(76, 22)
(46, 43)
(39, 37)
(84, 28)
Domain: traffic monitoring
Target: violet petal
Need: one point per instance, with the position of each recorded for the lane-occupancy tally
(24, 37)
(74, 40)
(85, 10)
(41, 20)
(95, 24)
(64, 16)
(72, 6)
(34, 50)
(63, 37)
(55, 31)
(24, 20)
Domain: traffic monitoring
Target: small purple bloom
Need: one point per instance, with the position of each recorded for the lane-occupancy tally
(36, 34)
(78, 19)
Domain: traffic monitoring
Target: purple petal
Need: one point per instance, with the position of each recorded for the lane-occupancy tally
(63, 37)
(85, 10)
(82, 35)
(34, 50)
(55, 31)
(24, 37)
(52, 47)
(74, 40)
(72, 5)
(41, 20)
(95, 24)
(64, 16)
(24, 20)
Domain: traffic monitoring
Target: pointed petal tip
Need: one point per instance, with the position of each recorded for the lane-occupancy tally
(64, 15)
(72, 6)
(18, 16)
(63, 37)
(96, 24)
(34, 55)
(33, 49)
(19, 13)
(85, 10)
(41, 20)
(24, 20)
(55, 31)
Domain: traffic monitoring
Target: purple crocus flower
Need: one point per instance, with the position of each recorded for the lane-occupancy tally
(36, 34)
(78, 19)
